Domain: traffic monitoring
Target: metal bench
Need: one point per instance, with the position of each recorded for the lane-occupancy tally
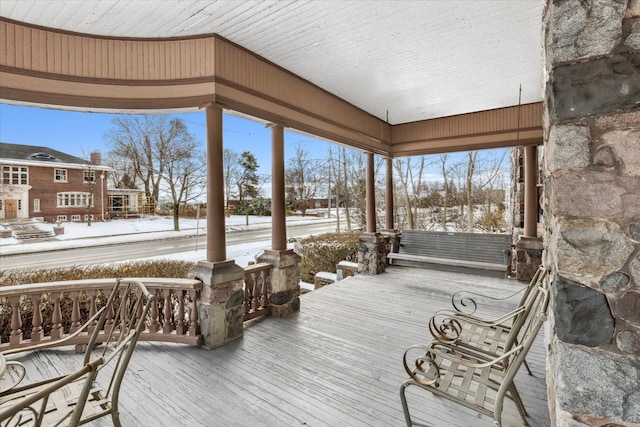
(477, 253)
(473, 376)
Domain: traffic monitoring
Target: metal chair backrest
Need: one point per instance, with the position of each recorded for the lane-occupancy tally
(527, 308)
(115, 334)
(528, 331)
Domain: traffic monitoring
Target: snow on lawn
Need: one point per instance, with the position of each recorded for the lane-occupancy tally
(79, 234)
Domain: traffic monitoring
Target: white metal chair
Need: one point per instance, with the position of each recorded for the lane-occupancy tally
(476, 379)
(92, 391)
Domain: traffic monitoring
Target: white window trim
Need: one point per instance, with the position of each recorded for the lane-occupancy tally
(74, 199)
(36, 205)
(55, 175)
(90, 173)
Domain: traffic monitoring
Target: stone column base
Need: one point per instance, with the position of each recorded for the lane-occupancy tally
(394, 240)
(528, 257)
(220, 304)
(58, 230)
(284, 297)
(372, 253)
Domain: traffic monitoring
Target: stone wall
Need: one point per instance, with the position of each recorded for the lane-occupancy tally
(592, 210)
(372, 253)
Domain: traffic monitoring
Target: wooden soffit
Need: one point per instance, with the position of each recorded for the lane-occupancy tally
(75, 71)
(502, 127)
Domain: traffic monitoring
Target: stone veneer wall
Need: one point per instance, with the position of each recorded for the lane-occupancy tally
(592, 210)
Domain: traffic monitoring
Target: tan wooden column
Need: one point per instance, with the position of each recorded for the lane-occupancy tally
(278, 220)
(388, 196)
(371, 195)
(216, 239)
(530, 192)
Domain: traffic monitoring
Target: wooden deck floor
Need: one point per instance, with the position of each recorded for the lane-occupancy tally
(338, 362)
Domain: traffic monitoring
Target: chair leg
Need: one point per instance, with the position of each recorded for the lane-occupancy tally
(405, 407)
(115, 416)
(515, 396)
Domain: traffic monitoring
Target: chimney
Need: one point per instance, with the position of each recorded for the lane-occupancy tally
(96, 158)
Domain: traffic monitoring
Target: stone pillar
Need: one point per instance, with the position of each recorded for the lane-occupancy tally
(372, 253)
(392, 240)
(528, 257)
(528, 247)
(285, 281)
(592, 219)
(220, 304)
(216, 238)
(278, 219)
(371, 195)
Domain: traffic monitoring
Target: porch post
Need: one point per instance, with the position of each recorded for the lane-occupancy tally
(372, 247)
(388, 196)
(216, 243)
(278, 220)
(528, 249)
(371, 195)
(220, 302)
(390, 231)
(285, 274)
(530, 193)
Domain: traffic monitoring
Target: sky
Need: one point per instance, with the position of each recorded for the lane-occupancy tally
(80, 133)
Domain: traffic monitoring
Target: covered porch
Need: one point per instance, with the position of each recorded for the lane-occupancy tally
(337, 361)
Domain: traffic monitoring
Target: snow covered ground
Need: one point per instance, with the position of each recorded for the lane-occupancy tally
(77, 234)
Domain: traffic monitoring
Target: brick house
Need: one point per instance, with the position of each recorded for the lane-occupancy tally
(48, 184)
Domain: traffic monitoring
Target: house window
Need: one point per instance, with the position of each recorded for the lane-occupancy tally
(14, 175)
(75, 217)
(1, 203)
(60, 175)
(89, 177)
(74, 199)
(61, 218)
(36, 205)
(19, 204)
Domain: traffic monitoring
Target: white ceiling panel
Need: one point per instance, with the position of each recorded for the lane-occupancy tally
(405, 60)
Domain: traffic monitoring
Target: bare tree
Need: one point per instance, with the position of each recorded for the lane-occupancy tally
(445, 188)
(472, 157)
(347, 199)
(232, 171)
(303, 177)
(336, 174)
(412, 182)
(356, 183)
(143, 142)
(184, 173)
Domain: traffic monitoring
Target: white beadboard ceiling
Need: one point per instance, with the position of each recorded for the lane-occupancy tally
(405, 60)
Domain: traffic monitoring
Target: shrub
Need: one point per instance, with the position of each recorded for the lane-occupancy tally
(324, 251)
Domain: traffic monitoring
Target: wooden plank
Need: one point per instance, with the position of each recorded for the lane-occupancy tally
(336, 362)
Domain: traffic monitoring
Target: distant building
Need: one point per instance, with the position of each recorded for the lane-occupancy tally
(46, 183)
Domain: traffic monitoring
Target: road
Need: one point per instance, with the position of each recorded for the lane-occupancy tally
(134, 250)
